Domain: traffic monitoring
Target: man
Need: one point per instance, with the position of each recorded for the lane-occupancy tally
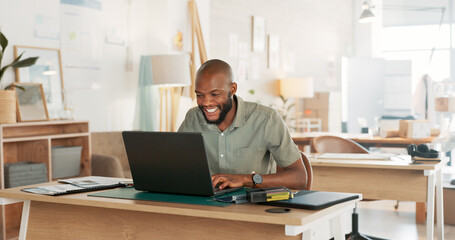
(239, 136)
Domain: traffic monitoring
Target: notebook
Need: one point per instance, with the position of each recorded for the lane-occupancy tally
(314, 200)
(76, 185)
(170, 162)
(356, 156)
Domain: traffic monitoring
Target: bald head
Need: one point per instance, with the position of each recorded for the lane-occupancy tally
(215, 93)
(213, 67)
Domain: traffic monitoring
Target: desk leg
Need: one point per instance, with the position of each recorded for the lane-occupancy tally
(430, 203)
(24, 220)
(439, 205)
(307, 235)
(333, 218)
(337, 228)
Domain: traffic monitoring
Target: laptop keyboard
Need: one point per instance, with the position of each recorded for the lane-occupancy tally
(219, 191)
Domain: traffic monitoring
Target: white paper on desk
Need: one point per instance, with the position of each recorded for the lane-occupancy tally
(91, 181)
(356, 156)
(52, 190)
(60, 188)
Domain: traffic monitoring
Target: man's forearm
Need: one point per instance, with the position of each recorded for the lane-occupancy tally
(293, 176)
(293, 179)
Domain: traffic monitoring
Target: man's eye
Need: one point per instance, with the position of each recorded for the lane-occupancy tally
(198, 95)
(215, 94)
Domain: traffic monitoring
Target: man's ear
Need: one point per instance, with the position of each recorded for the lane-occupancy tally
(233, 88)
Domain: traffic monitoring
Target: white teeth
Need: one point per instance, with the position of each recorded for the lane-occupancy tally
(211, 110)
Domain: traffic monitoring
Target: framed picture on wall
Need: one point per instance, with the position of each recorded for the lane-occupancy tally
(31, 103)
(259, 35)
(46, 71)
(274, 52)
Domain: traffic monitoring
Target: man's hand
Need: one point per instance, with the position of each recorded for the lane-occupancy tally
(231, 180)
(293, 176)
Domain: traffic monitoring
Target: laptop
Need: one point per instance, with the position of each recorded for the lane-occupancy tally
(170, 162)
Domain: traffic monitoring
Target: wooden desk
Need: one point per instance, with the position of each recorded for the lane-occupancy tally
(304, 139)
(396, 180)
(78, 216)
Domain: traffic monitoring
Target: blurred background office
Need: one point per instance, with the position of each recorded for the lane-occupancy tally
(362, 72)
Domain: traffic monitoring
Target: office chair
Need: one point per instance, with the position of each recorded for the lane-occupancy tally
(333, 144)
(309, 171)
(308, 168)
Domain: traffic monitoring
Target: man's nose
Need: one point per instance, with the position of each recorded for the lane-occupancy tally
(206, 100)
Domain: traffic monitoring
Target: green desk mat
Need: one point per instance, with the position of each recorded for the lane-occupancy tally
(131, 193)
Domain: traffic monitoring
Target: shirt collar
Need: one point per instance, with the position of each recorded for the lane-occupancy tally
(239, 119)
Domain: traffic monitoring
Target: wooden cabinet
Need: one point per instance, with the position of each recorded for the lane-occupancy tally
(32, 142)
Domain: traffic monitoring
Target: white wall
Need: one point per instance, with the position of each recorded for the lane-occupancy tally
(152, 24)
(318, 33)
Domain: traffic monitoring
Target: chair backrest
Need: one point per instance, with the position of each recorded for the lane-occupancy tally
(309, 171)
(111, 144)
(334, 144)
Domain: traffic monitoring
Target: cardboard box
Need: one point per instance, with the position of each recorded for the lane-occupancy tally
(414, 129)
(445, 104)
(319, 101)
(387, 133)
(449, 205)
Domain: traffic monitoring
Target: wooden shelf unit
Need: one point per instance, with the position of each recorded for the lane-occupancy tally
(32, 142)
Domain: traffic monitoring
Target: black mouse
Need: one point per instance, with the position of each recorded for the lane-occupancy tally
(452, 182)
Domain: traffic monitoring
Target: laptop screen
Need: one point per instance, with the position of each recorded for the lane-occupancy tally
(168, 162)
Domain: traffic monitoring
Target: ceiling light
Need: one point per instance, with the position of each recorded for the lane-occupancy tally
(367, 15)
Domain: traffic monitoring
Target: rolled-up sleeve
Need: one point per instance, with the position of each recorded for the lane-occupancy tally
(279, 141)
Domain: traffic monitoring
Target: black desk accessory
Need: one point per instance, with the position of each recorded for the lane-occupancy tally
(313, 200)
(278, 210)
(422, 153)
(257, 195)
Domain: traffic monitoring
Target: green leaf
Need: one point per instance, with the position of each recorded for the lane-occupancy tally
(3, 41)
(14, 85)
(25, 63)
(16, 60)
(3, 71)
(16, 63)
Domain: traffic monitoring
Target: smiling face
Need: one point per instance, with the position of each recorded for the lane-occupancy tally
(214, 92)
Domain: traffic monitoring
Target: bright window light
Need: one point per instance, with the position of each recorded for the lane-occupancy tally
(438, 70)
(421, 37)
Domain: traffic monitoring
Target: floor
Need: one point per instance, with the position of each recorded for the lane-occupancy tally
(380, 219)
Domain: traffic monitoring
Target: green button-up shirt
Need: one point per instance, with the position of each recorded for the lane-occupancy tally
(256, 139)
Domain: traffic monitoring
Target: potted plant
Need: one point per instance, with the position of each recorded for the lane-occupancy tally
(7, 94)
